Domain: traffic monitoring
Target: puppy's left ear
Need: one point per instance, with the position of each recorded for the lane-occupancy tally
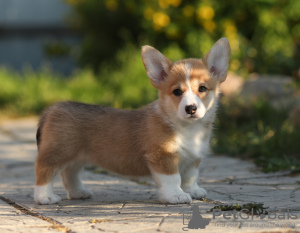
(217, 59)
(156, 65)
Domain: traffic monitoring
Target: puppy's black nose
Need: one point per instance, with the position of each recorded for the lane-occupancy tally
(191, 109)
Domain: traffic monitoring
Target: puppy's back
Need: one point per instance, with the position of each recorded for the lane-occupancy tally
(108, 137)
(71, 112)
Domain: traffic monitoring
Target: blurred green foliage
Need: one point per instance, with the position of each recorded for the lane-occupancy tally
(258, 131)
(244, 129)
(264, 34)
(264, 37)
(30, 92)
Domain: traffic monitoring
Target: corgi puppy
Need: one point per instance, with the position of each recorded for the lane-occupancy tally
(165, 139)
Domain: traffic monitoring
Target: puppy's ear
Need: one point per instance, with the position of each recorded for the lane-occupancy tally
(157, 65)
(217, 59)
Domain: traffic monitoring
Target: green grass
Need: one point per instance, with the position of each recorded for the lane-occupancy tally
(253, 130)
(126, 86)
(258, 131)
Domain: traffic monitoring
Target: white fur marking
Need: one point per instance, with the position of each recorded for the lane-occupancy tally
(190, 98)
(169, 188)
(43, 194)
(193, 142)
(187, 72)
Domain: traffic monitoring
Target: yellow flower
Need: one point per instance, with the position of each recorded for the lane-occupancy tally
(160, 20)
(209, 26)
(111, 5)
(163, 4)
(174, 3)
(205, 12)
(230, 29)
(188, 11)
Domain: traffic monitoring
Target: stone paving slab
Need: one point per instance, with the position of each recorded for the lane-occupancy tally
(12, 220)
(123, 205)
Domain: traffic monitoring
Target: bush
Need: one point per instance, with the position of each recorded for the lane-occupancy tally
(30, 92)
(258, 131)
(264, 34)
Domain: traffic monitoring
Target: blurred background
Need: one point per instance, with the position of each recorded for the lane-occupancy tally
(89, 51)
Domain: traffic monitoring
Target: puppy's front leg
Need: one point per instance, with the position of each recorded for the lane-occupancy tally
(164, 169)
(189, 181)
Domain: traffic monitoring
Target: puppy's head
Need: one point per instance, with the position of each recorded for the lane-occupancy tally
(188, 88)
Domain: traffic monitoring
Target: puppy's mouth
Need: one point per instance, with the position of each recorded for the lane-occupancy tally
(192, 117)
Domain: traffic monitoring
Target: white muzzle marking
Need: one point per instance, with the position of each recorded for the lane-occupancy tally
(190, 98)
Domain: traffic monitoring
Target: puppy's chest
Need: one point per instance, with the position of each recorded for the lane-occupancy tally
(193, 141)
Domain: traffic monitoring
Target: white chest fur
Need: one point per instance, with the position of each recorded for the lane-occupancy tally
(193, 140)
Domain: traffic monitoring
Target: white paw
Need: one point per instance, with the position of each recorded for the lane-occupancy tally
(175, 197)
(180, 198)
(80, 194)
(197, 192)
(47, 199)
(44, 195)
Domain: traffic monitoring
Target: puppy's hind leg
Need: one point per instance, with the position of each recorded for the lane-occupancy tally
(43, 193)
(72, 182)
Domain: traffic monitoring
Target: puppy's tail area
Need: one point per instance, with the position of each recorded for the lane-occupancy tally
(38, 135)
(41, 123)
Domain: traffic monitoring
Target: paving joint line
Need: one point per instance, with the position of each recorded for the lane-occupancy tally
(55, 224)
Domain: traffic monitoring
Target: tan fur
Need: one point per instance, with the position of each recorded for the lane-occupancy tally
(120, 141)
(114, 139)
(128, 142)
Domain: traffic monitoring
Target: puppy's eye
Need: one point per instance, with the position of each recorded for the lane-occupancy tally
(202, 89)
(177, 92)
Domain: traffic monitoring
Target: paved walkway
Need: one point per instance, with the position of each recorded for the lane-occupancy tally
(121, 205)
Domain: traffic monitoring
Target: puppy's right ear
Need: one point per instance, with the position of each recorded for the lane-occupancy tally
(157, 65)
